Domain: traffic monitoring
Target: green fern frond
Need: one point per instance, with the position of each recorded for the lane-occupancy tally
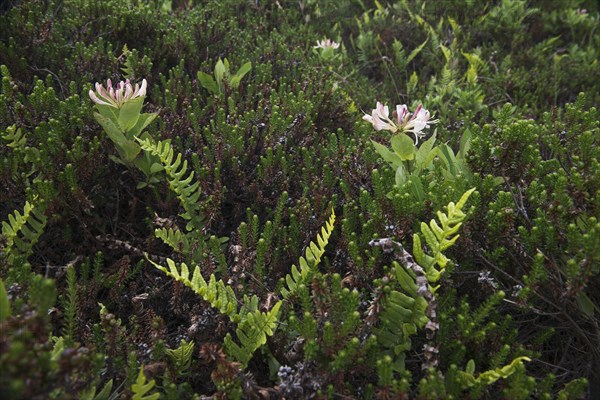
(174, 238)
(181, 357)
(439, 238)
(215, 292)
(182, 183)
(249, 304)
(22, 231)
(254, 326)
(140, 388)
(311, 260)
(403, 314)
(252, 333)
(15, 138)
(491, 376)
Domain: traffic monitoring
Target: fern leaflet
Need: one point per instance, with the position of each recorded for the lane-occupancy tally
(22, 231)
(439, 238)
(140, 388)
(490, 376)
(309, 263)
(181, 357)
(187, 191)
(252, 333)
(14, 137)
(215, 292)
(174, 238)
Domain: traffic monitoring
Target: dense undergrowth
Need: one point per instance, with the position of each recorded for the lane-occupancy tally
(250, 236)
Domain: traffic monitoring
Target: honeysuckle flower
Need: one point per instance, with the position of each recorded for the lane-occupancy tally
(415, 123)
(402, 120)
(326, 44)
(380, 119)
(116, 97)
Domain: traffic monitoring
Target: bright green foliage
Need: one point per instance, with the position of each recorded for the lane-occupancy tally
(272, 156)
(405, 311)
(103, 394)
(15, 138)
(123, 126)
(253, 326)
(439, 238)
(216, 86)
(174, 238)
(575, 389)
(403, 316)
(187, 190)
(219, 295)
(309, 263)
(181, 357)
(252, 332)
(141, 388)
(4, 303)
(22, 231)
(489, 377)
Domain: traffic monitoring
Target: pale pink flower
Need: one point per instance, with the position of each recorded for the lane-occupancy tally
(380, 119)
(326, 44)
(117, 97)
(417, 122)
(402, 120)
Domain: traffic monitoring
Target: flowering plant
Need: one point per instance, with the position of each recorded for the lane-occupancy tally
(119, 113)
(327, 44)
(327, 47)
(117, 97)
(403, 120)
(410, 161)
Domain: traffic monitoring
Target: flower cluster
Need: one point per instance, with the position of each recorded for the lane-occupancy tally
(326, 44)
(117, 97)
(402, 120)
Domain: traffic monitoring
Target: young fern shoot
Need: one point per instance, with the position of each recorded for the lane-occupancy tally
(309, 263)
(439, 238)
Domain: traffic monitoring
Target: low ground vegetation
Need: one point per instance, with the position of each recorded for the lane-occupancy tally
(299, 199)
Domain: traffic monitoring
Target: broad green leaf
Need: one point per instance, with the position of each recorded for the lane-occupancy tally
(584, 303)
(403, 146)
(141, 124)
(129, 150)
(208, 82)
(448, 158)
(4, 303)
(156, 167)
(401, 175)
(426, 153)
(114, 133)
(417, 188)
(221, 71)
(130, 113)
(244, 69)
(392, 158)
(109, 112)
